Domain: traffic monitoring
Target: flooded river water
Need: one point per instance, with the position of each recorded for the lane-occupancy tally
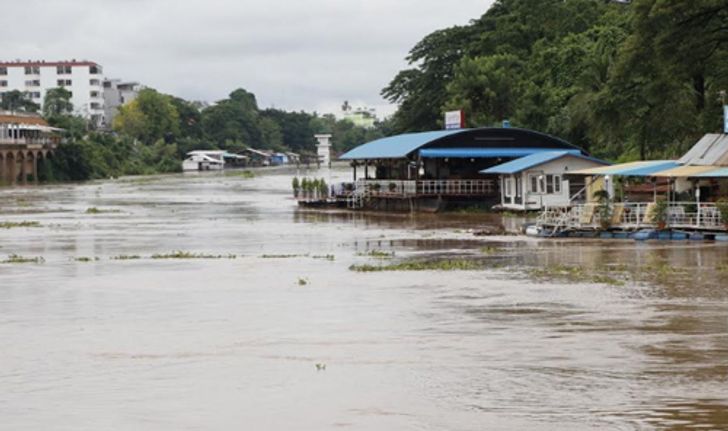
(211, 302)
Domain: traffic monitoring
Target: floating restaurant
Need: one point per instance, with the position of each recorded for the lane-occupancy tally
(687, 199)
(439, 169)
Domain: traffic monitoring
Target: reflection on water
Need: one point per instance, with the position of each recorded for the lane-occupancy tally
(94, 341)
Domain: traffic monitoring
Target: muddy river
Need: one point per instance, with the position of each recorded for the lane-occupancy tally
(211, 302)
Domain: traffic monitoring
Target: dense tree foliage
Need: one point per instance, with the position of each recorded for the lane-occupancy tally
(155, 131)
(626, 81)
(15, 100)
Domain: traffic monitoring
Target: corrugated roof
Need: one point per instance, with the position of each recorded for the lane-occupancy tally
(716, 173)
(467, 153)
(536, 159)
(684, 171)
(712, 149)
(637, 169)
(396, 147)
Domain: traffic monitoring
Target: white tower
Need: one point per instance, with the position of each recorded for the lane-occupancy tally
(324, 149)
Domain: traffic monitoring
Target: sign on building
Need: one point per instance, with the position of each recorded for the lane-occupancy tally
(454, 120)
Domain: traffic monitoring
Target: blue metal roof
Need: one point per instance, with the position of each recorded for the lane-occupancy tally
(396, 147)
(536, 159)
(468, 153)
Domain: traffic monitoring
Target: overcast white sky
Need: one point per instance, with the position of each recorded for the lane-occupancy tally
(305, 54)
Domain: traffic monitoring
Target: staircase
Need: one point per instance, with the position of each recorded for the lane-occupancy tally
(359, 197)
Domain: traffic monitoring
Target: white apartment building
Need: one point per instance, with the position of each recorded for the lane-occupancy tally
(84, 79)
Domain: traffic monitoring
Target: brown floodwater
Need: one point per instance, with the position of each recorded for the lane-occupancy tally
(269, 328)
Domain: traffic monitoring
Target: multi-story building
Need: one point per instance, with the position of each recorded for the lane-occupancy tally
(116, 94)
(84, 79)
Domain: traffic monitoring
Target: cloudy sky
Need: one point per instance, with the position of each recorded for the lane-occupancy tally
(293, 54)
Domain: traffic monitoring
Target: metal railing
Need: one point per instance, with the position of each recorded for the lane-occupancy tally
(408, 188)
(634, 215)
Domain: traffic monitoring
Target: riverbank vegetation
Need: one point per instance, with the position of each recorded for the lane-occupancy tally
(625, 81)
(154, 132)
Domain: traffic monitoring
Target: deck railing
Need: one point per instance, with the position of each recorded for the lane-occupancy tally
(408, 188)
(634, 215)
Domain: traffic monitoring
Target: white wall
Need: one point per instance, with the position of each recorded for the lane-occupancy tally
(535, 201)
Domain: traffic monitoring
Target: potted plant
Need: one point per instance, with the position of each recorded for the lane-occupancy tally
(392, 187)
(296, 187)
(604, 208)
(376, 187)
(722, 206)
(659, 216)
(323, 189)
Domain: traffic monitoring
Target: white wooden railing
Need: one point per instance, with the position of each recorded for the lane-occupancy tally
(398, 188)
(635, 215)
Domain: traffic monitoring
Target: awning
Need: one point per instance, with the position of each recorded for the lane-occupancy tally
(718, 173)
(536, 159)
(634, 169)
(481, 153)
(684, 171)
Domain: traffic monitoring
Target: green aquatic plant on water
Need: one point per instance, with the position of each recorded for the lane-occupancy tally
(14, 258)
(437, 265)
(11, 225)
(126, 257)
(94, 210)
(85, 259)
(190, 255)
(378, 254)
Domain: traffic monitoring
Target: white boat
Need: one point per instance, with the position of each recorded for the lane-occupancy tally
(203, 161)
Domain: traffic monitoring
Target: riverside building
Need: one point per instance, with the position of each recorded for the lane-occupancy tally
(84, 79)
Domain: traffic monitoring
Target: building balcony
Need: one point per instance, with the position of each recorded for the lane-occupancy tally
(425, 188)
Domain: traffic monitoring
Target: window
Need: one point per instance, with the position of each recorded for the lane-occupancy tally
(3, 71)
(95, 70)
(549, 184)
(557, 184)
(35, 95)
(33, 83)
(64, 70)
(32, 70)
(95, 105)
(96, 82)
(64, 82)
(94, 94)
(533, 183)
(3, 83)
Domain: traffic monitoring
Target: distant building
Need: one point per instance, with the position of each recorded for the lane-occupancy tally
(323, 148)
(84, 79)
(361, 117)
(25, 139)
(118, 93)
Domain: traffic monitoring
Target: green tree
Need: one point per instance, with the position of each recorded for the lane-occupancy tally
(150, 117)
(487, 88)
(16, 100)
(233, 120)
(57, 102)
